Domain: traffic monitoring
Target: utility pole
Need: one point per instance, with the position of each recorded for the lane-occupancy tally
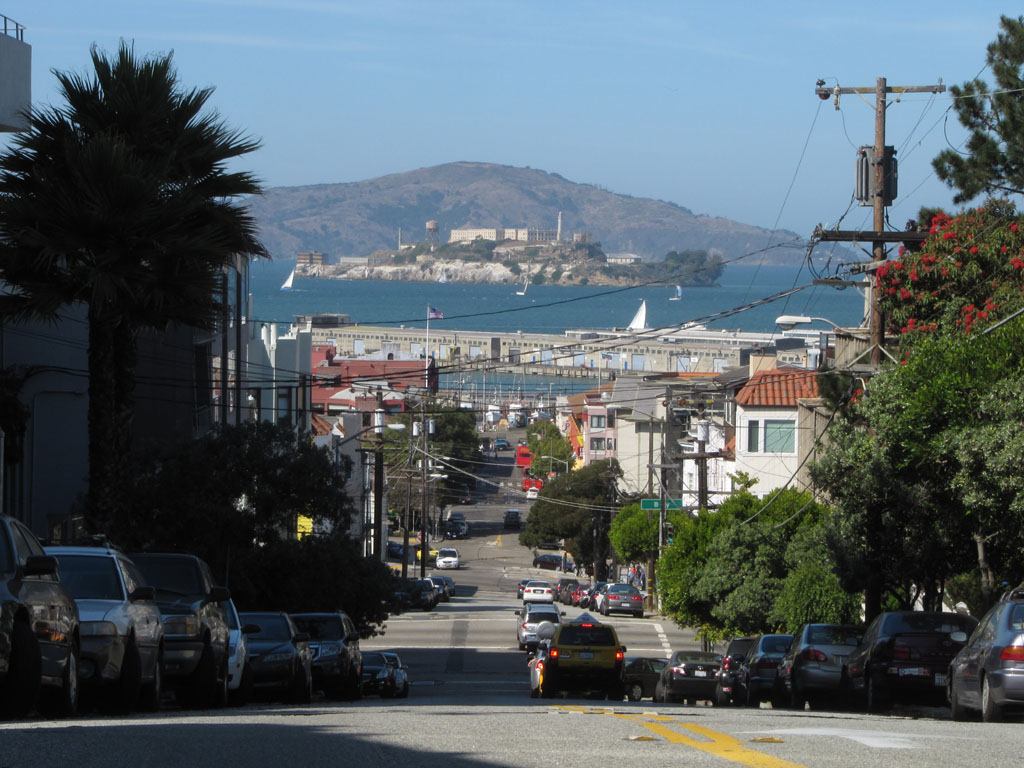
(379, 549)
(876, 322)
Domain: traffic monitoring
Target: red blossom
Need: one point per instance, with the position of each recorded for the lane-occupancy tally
(1013, 227)
(948, 235)
(974, 249)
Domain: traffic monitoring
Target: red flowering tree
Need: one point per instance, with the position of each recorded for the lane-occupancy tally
(968, 274)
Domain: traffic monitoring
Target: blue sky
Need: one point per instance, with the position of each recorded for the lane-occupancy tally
(707, 105)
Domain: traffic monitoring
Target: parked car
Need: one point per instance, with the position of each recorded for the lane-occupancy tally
(122, 634)
(195, 626)
(988, 673)
(563, 590)
(538, 592)
(279, 656)
(812, 668)
(501, 444)
(597, 599)
(39, 631)
(395, 550)
(554, 563)
(384, 674)
(444, 590)
(576, 595)
(905, 654)
(641, 675)
(690, 675)
(587, 600)
(512, 520)
(334, 648)
(448, 558)
(521, 586)
(535, 662)
(527, 620)
(758, 669)
(240, 682)
(622, 598)
(725, 684)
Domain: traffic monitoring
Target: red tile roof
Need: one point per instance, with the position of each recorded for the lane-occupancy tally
(778, 388)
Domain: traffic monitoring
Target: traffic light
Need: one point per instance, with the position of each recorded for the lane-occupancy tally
(670, 532)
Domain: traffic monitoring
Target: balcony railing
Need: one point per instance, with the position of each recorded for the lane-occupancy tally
(13, 28)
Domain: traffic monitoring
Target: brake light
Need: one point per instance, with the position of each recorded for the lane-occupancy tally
(637, 597)
(524, 625)
(588, 626)
(726, 663)
(618, 655)
(553, 653)
(1012, 653)
(813, 654)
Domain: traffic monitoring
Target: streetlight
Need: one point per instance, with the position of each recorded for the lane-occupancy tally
(378, 478)
(789, 322)
(555, 458)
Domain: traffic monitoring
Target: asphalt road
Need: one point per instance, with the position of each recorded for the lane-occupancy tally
(469, 707)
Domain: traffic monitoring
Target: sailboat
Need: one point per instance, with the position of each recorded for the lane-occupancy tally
(287, 284)
(526, 284)
(679, 294)
(639, 321)
(443, 278)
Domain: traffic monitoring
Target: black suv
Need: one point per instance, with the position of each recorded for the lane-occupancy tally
(195, 626)
(39, 631)
(512, 521)
(337, 661)
(726, 687)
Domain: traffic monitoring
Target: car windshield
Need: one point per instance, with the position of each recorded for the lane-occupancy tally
(272, 627)
(702, 657)
(1017, 617)
(579, 634)
(833, 635)
(90, 578)
(920, 621)
(623, 589)
(171, 573)
(320, 627)
(374, 659)
(447, 553)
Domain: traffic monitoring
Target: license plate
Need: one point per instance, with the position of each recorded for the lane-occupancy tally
(700, 673)
(566, 654)
(586, 654)
(940, 679)
(913, 672)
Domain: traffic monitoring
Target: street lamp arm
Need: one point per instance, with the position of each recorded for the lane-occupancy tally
(788, 322)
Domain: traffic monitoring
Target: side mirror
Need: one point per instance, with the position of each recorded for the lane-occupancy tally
(958, 637)
(251, 629)
(143, 593)
(518, 613)
(623, 649)
(220, 594)
(40, 565)
(352, 637)
(562, 613)
(301, 637)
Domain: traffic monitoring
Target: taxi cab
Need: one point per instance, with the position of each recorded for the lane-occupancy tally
(580, 656)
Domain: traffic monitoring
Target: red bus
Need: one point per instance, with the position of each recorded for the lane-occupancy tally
(523, 457)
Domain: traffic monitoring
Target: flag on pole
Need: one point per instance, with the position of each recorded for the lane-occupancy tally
(606, 355)
(434, 314)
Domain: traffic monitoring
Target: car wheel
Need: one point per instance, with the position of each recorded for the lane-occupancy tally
(129, 686)
(778, 697)
(243, 693)
(877, 701)
(659, 692)
(797, 700)
(753, 697)
(153, 691)
(534, 692)
(957, 710)
(63, 701)
(353, 685)
(522, 646)
(991, 712)
(722, 699)
(221, 698)
(635, 692)
(201, 691)
(691, 702)
(20, 689)
(638, 614)
(300, 688)
(404, 693)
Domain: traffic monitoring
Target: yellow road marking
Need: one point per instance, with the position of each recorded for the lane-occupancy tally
(715, 743)
(499, 539)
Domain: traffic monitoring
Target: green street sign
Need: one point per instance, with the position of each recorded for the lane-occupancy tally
(655, 504)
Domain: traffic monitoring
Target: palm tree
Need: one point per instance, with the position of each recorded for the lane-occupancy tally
(120, 199)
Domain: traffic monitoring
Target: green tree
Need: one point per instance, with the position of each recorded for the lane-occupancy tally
(544, 439)
(576, 507)
(994, 160)
(120, 199)
(633, 533)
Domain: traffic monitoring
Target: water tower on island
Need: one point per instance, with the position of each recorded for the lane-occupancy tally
(433, 235)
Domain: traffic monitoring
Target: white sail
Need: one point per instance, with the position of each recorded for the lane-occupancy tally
(639, 321)
(287, 284)
(526, 284)
(679, 294)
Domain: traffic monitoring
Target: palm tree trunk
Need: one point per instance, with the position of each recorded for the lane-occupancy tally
(103, 500)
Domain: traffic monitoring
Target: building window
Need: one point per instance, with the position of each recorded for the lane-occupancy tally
(779, 436)
(597, 422)
(597, 443)
(753, 437)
